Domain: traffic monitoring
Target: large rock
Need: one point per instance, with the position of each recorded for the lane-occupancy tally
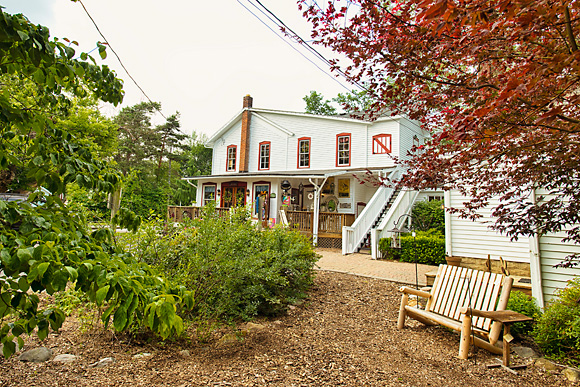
(37, 355)
(546, 364)
(103, 362)
(571, 374)
(525, 352)
(65, 358)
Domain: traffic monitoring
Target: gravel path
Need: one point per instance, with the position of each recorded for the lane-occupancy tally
(364, 265)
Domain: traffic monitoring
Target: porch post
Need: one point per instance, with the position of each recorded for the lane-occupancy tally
(316, 214)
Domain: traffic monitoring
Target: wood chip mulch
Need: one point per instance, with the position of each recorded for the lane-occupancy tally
(345, 334)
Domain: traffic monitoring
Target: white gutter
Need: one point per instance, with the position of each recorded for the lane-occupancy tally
(447, 204)
(535, 264)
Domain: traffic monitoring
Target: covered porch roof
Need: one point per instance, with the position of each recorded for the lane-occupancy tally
(288, 174)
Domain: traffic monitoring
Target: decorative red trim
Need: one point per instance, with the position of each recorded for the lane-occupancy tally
(228, 158)
(349, 148)
(260, 155)
(309, 149)
(382, 148)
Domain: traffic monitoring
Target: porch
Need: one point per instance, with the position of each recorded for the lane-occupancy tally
(329, 223)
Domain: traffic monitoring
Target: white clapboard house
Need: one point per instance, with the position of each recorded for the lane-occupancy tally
(311, 172)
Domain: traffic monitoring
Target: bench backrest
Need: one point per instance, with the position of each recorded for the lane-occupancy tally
(457, 287)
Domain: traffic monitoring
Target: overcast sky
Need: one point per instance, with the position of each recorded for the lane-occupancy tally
(196, 57)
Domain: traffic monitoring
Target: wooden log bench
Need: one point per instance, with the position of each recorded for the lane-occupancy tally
(456, 288)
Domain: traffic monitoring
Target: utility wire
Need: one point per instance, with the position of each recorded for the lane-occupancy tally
(118, 58)
(298, 39)
(303, 42)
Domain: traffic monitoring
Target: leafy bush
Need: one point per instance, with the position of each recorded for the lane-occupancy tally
(526, 305)
(429, 215)
(428, 247)
(557, 331)
(234, 270)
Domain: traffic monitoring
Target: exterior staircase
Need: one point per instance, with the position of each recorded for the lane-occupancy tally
(366, 242)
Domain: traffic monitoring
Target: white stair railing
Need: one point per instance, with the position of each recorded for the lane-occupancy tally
(402, 205)
(353, 235)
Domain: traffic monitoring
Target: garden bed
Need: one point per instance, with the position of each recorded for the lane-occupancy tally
(344, 335)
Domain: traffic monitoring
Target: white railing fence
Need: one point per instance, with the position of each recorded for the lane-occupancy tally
(353, 235)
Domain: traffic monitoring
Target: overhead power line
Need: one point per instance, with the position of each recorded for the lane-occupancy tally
(118, 58)
(289, 31)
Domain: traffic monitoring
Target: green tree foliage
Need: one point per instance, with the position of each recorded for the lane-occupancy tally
(429, 215)
(196, 161)
(138, 141)
(354, 101)
(315, 104)
(45, 247)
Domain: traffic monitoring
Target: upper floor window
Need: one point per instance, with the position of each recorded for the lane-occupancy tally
(231, 161)
(264, 155)
(381, 144)
(304, 152)
(343, 150)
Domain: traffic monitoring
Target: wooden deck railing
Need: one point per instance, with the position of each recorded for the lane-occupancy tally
(329, 222)
(178, 213)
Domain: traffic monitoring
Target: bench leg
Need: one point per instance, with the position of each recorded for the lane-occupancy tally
(465, 337)
(402, 311)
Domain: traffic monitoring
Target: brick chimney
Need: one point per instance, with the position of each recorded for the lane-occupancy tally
(245, 142)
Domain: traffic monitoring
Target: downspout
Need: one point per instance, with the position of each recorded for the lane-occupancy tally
(447, 204)
(317, 192)
(535, 264)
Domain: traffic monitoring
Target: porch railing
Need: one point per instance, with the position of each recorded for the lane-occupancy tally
(329, 222)
(178, 213)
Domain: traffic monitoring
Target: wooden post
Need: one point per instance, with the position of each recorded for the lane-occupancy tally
(465, 337)
(402, 311)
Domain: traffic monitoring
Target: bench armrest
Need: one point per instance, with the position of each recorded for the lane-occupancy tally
(415, 292)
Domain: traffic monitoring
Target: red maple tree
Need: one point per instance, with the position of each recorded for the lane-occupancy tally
(496, 82)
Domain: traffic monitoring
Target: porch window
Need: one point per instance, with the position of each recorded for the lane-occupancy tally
(343, 150)
(264, 155)
(381, 144)
(304, 152)
(261, 190)
(231, 160)
(208, 193)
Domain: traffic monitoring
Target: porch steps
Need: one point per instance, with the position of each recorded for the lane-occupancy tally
(366, 242)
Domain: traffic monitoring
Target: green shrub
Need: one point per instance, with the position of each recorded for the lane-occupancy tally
(428, 216)
(235, 270)
(526, 305)
(428, 247)
(557, 331)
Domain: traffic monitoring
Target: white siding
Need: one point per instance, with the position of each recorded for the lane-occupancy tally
(552, 252)
(475, 239)
(261, 131)
(232, 137)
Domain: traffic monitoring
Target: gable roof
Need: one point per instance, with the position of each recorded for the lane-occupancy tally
(256, 113)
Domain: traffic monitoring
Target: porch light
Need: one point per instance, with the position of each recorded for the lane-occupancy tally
(248, 192)
(219, 191)
(285, 185)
